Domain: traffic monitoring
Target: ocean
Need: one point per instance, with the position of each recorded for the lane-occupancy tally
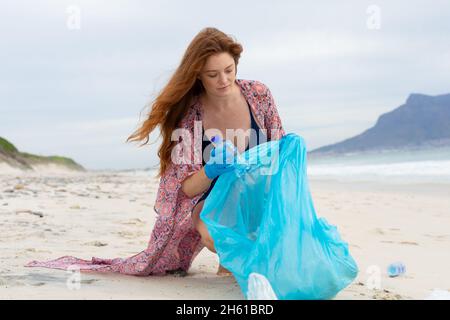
(421, 165)
(403, 166)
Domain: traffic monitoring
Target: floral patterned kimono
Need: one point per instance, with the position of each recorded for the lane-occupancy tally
(174, 242)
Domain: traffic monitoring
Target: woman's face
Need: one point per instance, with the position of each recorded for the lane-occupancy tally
(218, 74)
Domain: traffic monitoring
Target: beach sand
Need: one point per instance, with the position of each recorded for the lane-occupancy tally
(110, 214)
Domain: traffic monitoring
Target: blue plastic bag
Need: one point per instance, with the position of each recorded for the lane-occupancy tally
(262, 219)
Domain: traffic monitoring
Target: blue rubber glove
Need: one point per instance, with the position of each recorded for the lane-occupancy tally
(221, 160)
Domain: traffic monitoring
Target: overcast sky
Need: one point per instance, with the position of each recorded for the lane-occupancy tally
(75, 85)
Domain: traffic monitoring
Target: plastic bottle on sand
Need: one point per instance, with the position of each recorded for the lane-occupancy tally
(396, 269)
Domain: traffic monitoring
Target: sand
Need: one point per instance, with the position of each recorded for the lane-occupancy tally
(110, 214)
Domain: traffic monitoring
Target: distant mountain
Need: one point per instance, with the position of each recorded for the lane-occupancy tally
(423, 121)
(26, 161)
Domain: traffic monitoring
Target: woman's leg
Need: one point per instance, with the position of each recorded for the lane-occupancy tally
(201, 227)
(206, 237)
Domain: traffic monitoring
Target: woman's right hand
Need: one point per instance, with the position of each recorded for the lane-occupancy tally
(221, 160)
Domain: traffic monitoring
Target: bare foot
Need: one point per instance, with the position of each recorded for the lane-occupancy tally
(221, 271)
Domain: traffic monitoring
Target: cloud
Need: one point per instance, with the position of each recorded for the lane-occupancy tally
(80, 92)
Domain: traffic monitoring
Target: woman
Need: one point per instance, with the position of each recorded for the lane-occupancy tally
(203, 90)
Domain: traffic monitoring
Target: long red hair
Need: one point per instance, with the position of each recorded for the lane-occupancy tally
(172, 103)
